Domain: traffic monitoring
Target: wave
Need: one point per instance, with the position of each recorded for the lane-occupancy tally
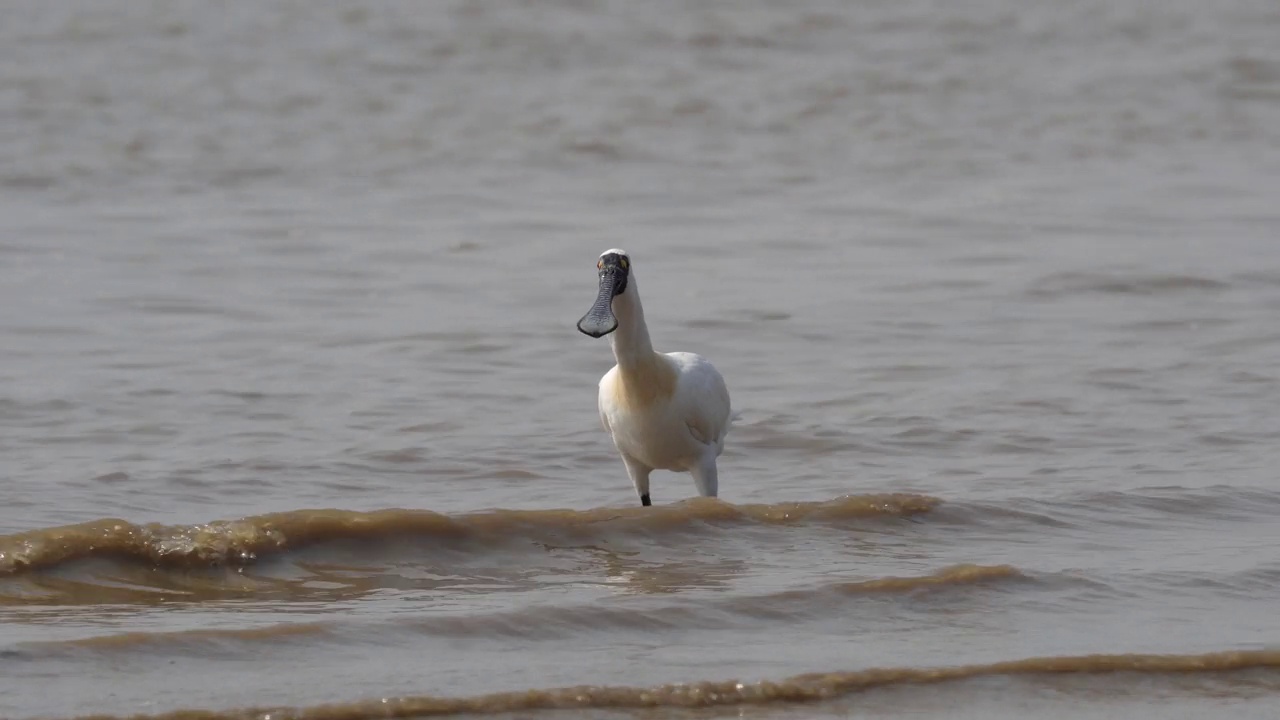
(1156, 506)
(1152, 506)
(1081, 283)
(202, 642)
(807, 688)
(543, 622)
(241, 542)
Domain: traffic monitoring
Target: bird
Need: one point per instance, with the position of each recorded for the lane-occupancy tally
(664, 411)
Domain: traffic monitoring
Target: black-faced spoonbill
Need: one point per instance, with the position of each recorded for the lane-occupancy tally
(665, 411)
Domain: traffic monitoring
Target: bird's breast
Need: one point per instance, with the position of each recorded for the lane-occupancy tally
(645, 418)
(641, 388)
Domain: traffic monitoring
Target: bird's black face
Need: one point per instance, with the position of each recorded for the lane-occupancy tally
(615, 268)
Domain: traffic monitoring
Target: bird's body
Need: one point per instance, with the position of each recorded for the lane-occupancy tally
(665, 411)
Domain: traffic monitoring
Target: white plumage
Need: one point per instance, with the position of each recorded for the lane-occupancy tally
(665, 411)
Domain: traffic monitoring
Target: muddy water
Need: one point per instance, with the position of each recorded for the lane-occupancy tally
(294, 418)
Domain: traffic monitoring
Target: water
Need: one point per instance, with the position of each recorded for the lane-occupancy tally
(294, 412)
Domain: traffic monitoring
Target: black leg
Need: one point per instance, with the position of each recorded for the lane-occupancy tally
(644, 500)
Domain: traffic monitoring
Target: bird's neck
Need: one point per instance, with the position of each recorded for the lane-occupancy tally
(631, 346)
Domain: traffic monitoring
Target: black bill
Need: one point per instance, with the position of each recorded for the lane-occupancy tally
(599, 320)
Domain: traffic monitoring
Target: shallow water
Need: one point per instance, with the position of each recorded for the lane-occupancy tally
(294, 416)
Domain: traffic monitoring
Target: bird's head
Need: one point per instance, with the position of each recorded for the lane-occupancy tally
(615, 270)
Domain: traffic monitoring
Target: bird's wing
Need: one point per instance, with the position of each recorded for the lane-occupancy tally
(605, 383)
(707, 400)
(698, 430)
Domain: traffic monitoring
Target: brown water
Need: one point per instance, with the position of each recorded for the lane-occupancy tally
(294, 416)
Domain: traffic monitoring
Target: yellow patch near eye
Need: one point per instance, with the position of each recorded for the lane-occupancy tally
(624, 263)
(599, 264)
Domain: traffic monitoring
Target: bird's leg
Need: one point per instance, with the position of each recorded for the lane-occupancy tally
(639, 477)
(704, 474)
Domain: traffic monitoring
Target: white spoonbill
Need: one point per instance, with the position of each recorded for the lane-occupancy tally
(665, 411)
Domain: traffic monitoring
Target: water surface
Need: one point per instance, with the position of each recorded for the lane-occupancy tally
(294, 417)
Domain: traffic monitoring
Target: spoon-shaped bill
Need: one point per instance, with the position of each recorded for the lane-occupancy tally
(599, 320)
